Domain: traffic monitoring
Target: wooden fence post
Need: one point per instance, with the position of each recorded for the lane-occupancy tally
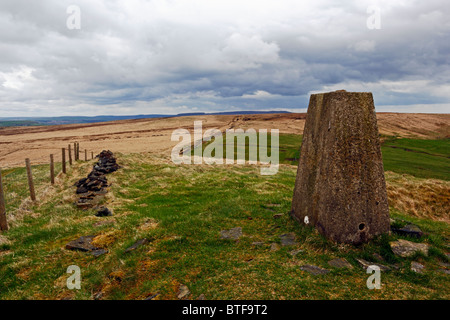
(52, 169)
(75, 151)
(30, 180)
(3, 222)
(64, 160)
(78, 151)
(85, 155)
(92, 155)
(70, 154)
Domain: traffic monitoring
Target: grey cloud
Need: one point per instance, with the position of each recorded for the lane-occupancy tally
(162, 57)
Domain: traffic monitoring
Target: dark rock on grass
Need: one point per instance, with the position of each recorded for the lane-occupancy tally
(82, 244)
(232, 234)
(365, 264)
(288, 239)
(314, 269)
(277, 216)
(136, 245)
(104, 212)
(340, 263)
(153, 296)
(410, 230)
(99, 252)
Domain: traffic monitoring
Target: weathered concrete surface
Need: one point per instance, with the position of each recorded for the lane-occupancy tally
(340, 185)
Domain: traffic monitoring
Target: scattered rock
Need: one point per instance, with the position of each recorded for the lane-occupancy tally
(288, 239)
(446, 271)
(405, 248)
(183, 292)
(314, 269)
(258, 243)
(201, 297)
(274, 247)
(277, 216)
(99, 252)
(271, 205)
(98, 295)
(340, 263)
(103, 212)
(295, 252)
(409, 230)
(233, 234)
(417, 267)
(365, 264)
(136, 245)
(82, 244)
(153, 296)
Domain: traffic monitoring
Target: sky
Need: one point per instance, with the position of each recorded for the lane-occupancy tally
(111, 57)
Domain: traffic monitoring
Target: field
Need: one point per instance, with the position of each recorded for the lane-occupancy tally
(182, 209)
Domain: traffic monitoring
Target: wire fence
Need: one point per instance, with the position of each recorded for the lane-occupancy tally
(14, 188)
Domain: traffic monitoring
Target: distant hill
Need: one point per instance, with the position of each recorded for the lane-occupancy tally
(47, 121)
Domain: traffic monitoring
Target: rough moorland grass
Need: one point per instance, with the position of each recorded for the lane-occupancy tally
(181, 210)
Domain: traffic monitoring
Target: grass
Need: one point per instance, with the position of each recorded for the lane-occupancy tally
(419, 158)
(181, 210)
(289, 148)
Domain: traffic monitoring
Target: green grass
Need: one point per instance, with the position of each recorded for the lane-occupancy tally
(186, 207)
(289, 148)
(420, 158)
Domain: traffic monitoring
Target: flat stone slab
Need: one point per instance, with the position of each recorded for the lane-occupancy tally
(405, 248)
(417, 267)
(274, 247)
(295, 252)
(183, 292)
(258, 243)
(340, 263)
(136, 245)
(315, 270)
(365, 264)
(288, 239)
(99, 252)
(233, 234)
(83, 243)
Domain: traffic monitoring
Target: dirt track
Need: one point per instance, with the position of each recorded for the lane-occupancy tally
(154, 135)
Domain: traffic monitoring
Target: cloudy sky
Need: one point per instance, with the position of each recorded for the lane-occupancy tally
(176, 56)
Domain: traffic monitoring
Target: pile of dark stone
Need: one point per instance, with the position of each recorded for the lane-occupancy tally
(92, 190)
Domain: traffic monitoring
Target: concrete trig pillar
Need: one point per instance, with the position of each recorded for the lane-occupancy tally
(340, 187)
